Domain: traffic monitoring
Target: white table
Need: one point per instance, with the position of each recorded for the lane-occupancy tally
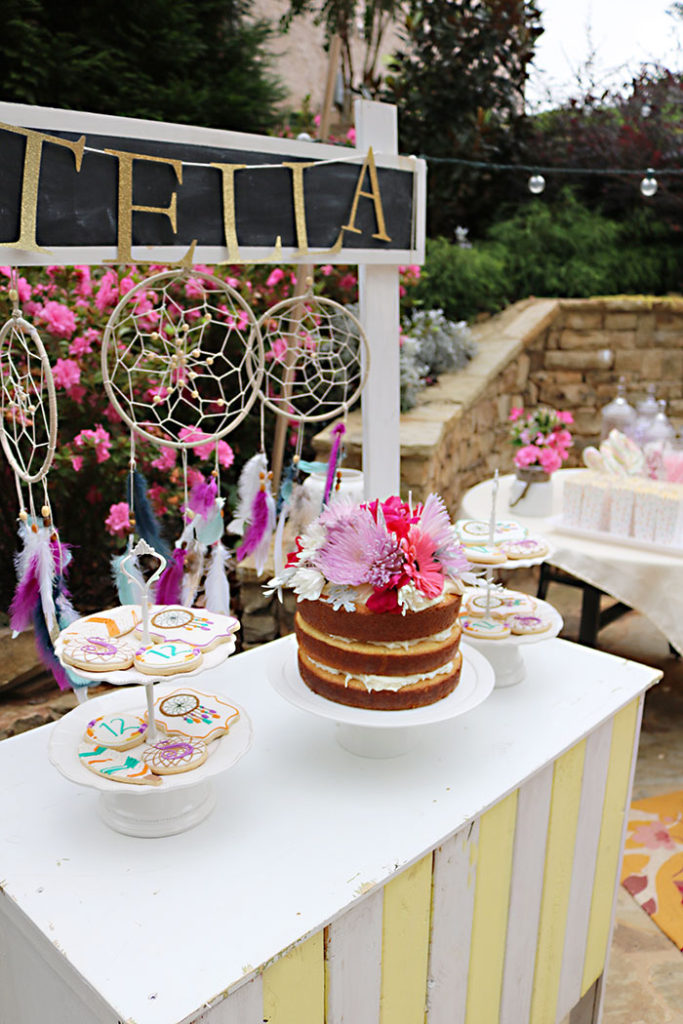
(474, 875)
(649, 581)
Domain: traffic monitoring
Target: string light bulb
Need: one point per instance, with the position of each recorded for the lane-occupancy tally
(649, 184)
(536, 184)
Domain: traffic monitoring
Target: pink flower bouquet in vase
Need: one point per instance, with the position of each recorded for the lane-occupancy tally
(541, 441)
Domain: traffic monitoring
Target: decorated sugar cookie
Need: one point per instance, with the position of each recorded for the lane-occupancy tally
(485, 629)
(529, 547)
(475, 604)
(197, 715)
(477, 531)
(118, 731)
(168, 658)
(117, 765)
(174, 754)
(526, 624)
(98, 653)
(196, 626)
(517, 603)
(109, 624)
(485, 554)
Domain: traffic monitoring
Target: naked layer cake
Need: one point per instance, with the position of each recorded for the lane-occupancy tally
(379, 590)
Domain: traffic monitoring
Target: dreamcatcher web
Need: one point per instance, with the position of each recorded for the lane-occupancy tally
(182, 357)
(317, 358)
(28, 407)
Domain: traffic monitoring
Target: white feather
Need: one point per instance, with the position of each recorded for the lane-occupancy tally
(216, 585)
(247, 488)
(304, 507)
(46, 578)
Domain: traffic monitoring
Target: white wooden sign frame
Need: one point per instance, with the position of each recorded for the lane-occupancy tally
(376, 127)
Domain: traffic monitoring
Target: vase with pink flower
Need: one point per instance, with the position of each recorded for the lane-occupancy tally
(541, 441)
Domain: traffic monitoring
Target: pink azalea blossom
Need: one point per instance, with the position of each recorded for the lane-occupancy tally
(118, 520)
(194, 288)
(194, 476)
(59, 319)
(274, 277)
(351, 136)
(77, 462)
(205, 448)
(80, 346)
(166, 459)
(327, 269)
(108, 291)
(77, 393)
(157, 495)
(66, 373)
(84, 285)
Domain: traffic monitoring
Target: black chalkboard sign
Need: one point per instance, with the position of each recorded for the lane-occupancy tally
(71, 192)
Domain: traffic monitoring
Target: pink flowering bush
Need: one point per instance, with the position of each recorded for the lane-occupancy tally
(540, 438)
(89, 480)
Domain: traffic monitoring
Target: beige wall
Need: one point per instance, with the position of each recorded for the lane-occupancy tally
(300, 58)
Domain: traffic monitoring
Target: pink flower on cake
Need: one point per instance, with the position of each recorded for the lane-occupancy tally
(420, 566)
(118, 520)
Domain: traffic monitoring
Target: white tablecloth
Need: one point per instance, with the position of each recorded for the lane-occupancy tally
(649, 581)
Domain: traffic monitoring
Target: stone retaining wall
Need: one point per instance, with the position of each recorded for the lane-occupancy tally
(568, 354)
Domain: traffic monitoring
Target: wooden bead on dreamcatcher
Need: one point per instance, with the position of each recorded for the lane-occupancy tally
(182, 361)
(28, 436)
(317, 360)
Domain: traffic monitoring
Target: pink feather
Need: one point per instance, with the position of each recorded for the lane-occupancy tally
(203, 497)
(259, 521)
(26, 598)
(338, 429)
(170, 582)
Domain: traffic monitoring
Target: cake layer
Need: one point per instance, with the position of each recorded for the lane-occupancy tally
(362, 624)
(359, 692)
(404, 657)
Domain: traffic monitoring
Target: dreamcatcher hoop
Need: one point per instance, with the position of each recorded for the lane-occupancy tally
(179, 359)
(325, 350)
(17, 407)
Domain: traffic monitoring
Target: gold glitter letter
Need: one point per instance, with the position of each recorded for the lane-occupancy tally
(374, 195)
(300, 212)
(30, 179)
(127, 208)
(229, 222)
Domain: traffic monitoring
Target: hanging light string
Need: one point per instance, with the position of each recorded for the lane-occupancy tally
(539, 169)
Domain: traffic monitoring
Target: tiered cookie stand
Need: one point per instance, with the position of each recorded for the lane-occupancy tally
(183, 800)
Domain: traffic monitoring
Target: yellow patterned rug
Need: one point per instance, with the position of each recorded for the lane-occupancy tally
(652, 869)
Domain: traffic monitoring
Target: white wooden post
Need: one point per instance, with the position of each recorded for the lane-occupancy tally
(376, 126)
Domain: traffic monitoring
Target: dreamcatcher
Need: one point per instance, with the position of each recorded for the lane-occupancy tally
(316, 365)
(28, 435)
(182, 362)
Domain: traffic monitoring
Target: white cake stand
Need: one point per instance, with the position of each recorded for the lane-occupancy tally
(180, 802)
(381, 733)
(505, 656)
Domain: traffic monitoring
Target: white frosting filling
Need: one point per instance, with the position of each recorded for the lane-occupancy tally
(395, 644)
(372, 682)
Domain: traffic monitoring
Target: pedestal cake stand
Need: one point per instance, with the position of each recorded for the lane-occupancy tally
(382, 733)
(505, 656)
